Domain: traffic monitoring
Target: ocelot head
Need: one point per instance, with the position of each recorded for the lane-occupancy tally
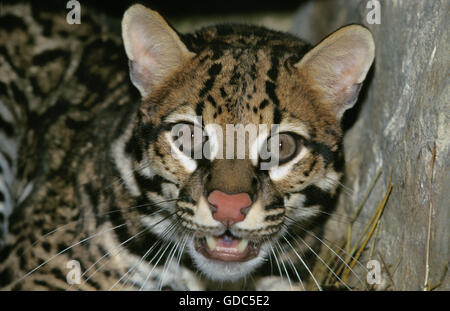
(238, 133)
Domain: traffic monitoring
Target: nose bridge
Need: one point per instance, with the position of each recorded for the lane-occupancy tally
(231, 176)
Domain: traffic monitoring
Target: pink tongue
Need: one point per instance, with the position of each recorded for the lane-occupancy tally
(227, 250)
(227, 243)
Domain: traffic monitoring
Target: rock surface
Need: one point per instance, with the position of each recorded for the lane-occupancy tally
(402, 116)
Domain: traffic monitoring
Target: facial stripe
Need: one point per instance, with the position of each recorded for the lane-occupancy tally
(188, 115)
(123, 161)
(315, 196)
(188, 164)
(279, 172)
(297, 128)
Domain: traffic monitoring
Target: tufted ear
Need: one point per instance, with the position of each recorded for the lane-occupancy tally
(152, 46)
(338, 65)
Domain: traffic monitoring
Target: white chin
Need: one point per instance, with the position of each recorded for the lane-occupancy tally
(217, 270)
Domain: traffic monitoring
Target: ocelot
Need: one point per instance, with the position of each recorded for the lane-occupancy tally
(107, 175)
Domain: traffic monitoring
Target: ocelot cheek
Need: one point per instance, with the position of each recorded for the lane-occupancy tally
(170, 190)
(301, 174)
(290, 184)
(292, 201)
(191, 186)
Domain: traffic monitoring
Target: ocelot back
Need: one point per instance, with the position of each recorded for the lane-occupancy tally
(93, 175)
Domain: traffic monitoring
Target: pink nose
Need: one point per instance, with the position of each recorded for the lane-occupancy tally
(228, 208)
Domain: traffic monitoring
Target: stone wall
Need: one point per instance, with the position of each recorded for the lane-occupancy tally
(401, 125)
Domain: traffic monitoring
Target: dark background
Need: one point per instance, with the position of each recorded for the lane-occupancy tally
(183, 8)
(178, 8)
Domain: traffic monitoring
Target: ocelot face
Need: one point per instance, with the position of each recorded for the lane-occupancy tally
(240, 133)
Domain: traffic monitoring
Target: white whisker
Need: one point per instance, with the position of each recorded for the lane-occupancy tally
(142, 258)
(284, 266)
(67, 248)
(303, 262)
(334, 252)
(321, 260)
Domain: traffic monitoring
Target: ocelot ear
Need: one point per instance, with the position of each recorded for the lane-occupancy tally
(152, 46)
(338, 65)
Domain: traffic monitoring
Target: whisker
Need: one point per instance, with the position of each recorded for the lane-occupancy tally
(276, 260)
(334, 182)
(168, 243)
(76, 244)
(320, 258)
(296, 272)
(331, 249)
(303, 262)
(100, 215)
(333, 216)
(67, 248)
(271, 263)
(185, 240)
(168, 230)
(284, 266)
(98, 260)
(316, 211)
(119, 246)
(167, 263)
(179, 243)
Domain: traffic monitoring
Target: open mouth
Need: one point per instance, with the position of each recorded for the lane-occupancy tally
(227, 248)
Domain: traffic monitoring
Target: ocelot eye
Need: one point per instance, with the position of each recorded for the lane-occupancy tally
(285, 147)
(188, 138)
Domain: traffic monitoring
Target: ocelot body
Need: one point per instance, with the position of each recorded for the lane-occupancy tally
(98, 181)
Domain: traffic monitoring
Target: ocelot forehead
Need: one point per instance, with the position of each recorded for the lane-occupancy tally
(220, 89)
(242, 85)
(234, 89)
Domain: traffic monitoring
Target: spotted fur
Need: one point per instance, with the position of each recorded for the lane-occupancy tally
(95, 179)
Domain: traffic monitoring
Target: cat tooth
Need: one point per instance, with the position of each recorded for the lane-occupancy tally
(242, 245)
(211, 242)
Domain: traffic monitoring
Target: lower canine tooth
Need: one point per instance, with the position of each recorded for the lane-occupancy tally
(242, 245)
(211, 242)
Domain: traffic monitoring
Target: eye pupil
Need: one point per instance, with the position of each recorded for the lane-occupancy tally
(288, 146)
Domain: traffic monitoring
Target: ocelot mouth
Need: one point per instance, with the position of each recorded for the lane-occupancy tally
(227, 248)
